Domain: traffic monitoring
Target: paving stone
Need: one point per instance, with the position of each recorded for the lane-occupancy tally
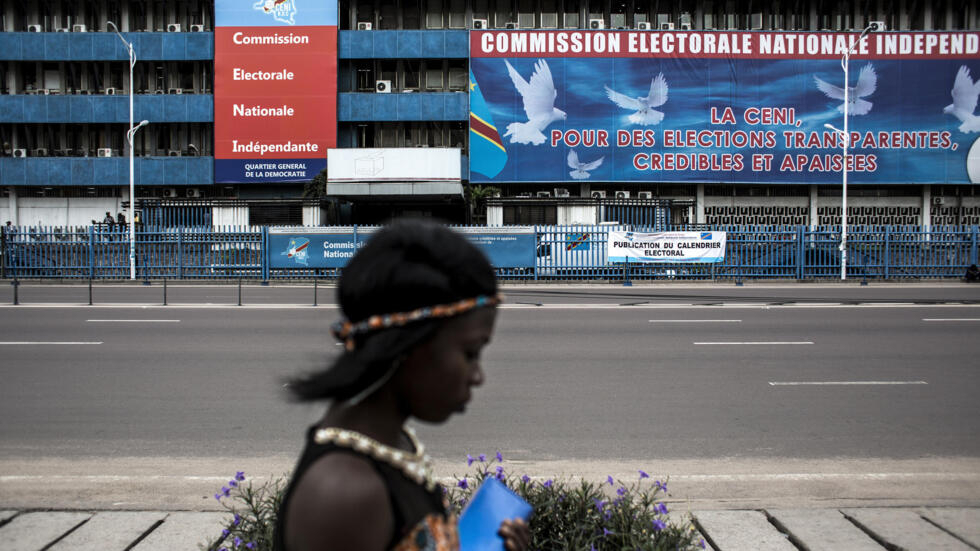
(824, 530)
(4, 515)
(742, 531)
(905, 529)
(183, 531)
(110, 531)
(33, 531)
(965, 523)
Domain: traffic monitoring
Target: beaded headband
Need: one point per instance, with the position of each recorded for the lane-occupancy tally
(346, 331)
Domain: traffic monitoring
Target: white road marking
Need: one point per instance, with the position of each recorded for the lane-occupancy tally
(827, 383)
(49, 342)
(511, 306)
(134, 321)
(950, 319)
(695, 321)
(754, 343)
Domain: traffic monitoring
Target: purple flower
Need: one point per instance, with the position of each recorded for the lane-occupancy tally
(483, 457)
(500, 469)
(225, 532)
(606, 532)
(469, 460)
(599, 505)
(226, 491)
(238, 541)
(644, 475)
(238, 519)
(610, 480)
(621, 491)
(658, 525)
(240, 476)
(250, 545)
(217, 496)
(500, 458)
(661, 508)
(525, 479)
(701, 543)
(593, 548)
(463, 483)
(548, 483)
(500, 476)
(232, 483)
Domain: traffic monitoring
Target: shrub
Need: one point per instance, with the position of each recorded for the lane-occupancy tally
(253, 512)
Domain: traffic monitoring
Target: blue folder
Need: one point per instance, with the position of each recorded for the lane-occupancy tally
(492, 504)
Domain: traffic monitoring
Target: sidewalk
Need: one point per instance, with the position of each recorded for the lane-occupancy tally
(844, 529)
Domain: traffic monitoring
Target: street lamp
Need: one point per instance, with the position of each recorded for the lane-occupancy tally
(129, 137)
(844, 63)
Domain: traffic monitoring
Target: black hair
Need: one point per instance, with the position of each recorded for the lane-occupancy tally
(407, 265)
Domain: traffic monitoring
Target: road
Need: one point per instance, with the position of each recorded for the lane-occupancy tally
(714, 386)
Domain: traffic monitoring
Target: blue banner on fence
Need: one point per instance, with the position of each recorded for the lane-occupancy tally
(635, 106)
(333, 248)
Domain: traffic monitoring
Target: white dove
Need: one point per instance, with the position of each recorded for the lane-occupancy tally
(866, 85)
(965, 93)
(581, 170)
(644, 107)
(539, 104)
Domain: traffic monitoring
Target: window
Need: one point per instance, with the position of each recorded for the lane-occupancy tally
(433, 14)
(411, 75)
(457, 14)
(571, 18)
(458, 75)
(528, 215)
(434, 78)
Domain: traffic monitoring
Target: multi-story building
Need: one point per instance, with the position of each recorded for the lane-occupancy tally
(401, 72)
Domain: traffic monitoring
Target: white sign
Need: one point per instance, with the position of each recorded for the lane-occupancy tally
(677, 246)
(394, 165)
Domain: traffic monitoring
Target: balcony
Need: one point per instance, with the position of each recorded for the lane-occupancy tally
(106, 46)
(413, 44)
(428, 106)
(56, 109)
(106, 171)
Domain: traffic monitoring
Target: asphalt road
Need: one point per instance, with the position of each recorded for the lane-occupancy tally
(712, 385)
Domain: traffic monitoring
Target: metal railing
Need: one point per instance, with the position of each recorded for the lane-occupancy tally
(566, 253)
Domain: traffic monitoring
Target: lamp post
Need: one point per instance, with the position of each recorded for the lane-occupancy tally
(845, 63)
(129, 137)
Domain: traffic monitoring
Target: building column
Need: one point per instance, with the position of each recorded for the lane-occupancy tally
(926, 219)
(814, 216)
(699, 205)
(12, 206)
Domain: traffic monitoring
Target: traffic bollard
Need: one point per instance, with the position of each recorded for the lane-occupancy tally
(239, 291)
(15, 283)
(90, 291)
(164, 291)
(314, 292)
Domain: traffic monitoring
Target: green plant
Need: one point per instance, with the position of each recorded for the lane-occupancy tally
(572, 515)
(254, 510)
(317, 187)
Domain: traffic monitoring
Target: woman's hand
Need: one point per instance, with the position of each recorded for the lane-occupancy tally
(516, 534)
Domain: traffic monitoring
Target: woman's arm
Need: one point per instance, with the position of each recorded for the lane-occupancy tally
(339, 504)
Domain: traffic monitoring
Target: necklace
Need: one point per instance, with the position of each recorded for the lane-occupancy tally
(417, 466)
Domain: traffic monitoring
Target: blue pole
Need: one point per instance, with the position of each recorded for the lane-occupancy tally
(180, 254)
(91, 252)
(973, 246)
(888, 248)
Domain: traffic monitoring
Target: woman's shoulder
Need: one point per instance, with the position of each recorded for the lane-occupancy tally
(340, 502)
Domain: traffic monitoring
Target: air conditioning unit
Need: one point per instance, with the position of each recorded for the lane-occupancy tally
(665, 26)
(173, 28)
(44, 92)
(197, 28)
(175, 90)
(64, 30)
(938, 200)
(382, 86)
(561, 192)
(159, 92)
(193, 192)
(597, 24)
(20, 153)
(173, 153)
(40, 152)
(82, 92)
(512, 25)
(622, 194)
(33, 28)
(543, 194)
(105, 152)
(110, 91)
(523, 195)
(645, 195)
(480, 24)
(364, 25)
(644, 26)
(169, 192)
(878, 26)
(79, 28)
(599, 194)
(685, 26)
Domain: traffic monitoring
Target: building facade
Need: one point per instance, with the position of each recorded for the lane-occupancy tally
(403, 81)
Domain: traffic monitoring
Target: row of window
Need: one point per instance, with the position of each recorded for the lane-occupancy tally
(106, 77)
(105, 140)
(429, 75)
(683, 14)
(76, 16)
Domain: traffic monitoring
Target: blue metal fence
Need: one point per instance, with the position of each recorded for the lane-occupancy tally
(563, 253)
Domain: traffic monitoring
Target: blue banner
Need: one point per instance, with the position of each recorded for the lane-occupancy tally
(624, 107)
(244, 171)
